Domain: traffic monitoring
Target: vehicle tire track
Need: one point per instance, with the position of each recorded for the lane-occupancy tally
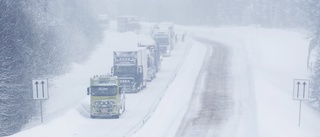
(216, 102)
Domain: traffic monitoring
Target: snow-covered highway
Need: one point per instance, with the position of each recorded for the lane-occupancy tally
(249, 71)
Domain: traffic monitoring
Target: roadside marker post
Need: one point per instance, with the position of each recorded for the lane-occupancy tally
(301, 92)
(40, 92)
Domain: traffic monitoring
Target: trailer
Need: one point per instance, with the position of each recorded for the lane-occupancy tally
(154, 56)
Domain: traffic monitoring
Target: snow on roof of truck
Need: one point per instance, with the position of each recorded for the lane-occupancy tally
(161, 31)
(127, 41)
(104, 80)
(145, 40)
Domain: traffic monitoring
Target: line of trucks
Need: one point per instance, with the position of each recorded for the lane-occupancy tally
(163, 33)
(132, 69)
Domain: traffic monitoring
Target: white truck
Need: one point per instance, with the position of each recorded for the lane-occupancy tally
(154, 57)
(163, 40)
(167, 27)
(131, 68)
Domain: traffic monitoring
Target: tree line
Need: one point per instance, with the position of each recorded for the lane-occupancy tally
(267, 13)
(38, 39)
(313, 16)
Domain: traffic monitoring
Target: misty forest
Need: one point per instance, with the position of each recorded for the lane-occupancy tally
(41, 39)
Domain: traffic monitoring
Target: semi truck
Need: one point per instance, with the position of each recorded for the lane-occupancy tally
(163, 40)
(107, 100)
(154, 57)
(167, 27)
(131, 68)
(129, 23)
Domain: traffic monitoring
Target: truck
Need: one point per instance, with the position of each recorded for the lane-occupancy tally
(107, 100)
(131, 68)
(167, 27)
(129, 23)
(163, 40)
(154, 57)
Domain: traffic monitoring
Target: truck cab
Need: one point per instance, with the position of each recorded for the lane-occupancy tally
(163, 40)
(107, 100)
(131, 68)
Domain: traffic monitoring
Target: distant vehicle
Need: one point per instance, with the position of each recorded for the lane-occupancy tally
(104, 21)
(169, 26)
(166, 25)
(131, 68)
(106, 97)
(129, 23)
(164, 41)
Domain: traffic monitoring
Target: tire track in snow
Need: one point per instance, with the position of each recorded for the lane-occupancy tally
(216, 103)
(228, 99)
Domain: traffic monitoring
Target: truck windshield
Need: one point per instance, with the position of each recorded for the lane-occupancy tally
(162, 40)
(124, 70)
(104, 91)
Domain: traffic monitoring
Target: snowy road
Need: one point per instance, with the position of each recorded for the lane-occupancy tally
(212, 101)
(220, 101)
(243, 90)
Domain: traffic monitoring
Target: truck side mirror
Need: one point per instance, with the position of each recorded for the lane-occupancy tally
(112, 70)
(88, 91)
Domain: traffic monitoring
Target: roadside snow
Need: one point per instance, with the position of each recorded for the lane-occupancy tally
(274, 59)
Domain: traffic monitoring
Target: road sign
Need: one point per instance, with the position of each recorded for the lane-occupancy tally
(301, 89)
(40, 89)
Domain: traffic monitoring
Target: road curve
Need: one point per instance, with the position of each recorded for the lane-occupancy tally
(212, 102)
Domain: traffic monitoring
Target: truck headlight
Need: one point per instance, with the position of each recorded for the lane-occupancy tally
(111, 102)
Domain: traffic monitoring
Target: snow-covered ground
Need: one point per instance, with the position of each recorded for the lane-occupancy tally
(274, 58)
(264, 64)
